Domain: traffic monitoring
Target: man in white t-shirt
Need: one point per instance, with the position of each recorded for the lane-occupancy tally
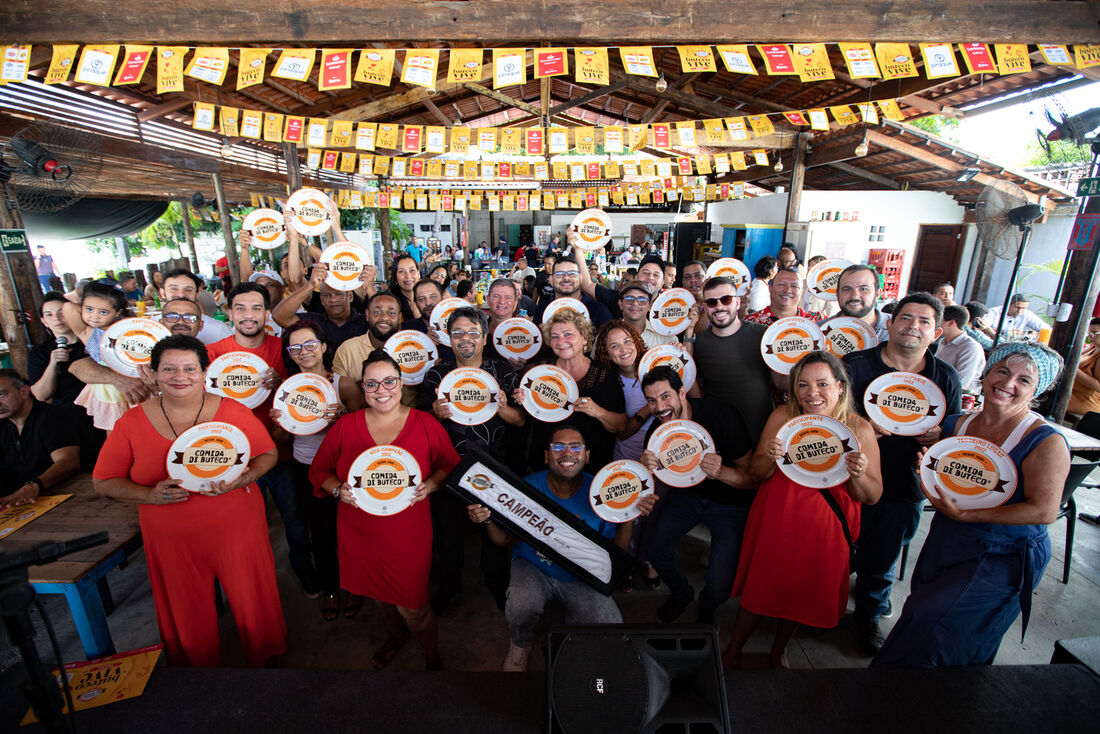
(185, 284)
(960, 350)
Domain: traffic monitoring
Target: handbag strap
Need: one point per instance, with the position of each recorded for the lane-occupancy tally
(831, 501)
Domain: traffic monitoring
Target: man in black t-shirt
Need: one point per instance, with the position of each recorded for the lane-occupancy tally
(544, 288)
(721, 500)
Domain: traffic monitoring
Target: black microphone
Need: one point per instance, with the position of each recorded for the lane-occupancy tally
(62, 342)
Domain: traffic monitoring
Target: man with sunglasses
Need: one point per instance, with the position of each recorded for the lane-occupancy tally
(651, 273)
(567, 279)
(182, 317)
(635, 302)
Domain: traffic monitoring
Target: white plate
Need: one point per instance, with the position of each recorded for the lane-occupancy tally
(383, 479)
(679, 446)
(549, 393)
(669, 355)
(813, 450)
(414, 353)
(559, 303)
(788, 340)
(238, 375)
(518, 338)
(593, 227)
(268, 228)
(310, 215)
(345, 262)
(735, 270)
(976, 473)
(846, 334)
(206, 453)
(302, 400)
(617, 488)
(129, 343)
(670, 312)
(272, 328)
(473, 395)
(437, 322)
(904, 403)
(822, 278)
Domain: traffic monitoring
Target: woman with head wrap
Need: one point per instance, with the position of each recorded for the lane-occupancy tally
(979, 567)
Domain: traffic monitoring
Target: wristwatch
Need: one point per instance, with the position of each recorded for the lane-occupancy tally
(689, 340)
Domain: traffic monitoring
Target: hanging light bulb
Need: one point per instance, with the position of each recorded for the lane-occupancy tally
(226, 148)
(861, 149)
(661, 85)
(778, 165)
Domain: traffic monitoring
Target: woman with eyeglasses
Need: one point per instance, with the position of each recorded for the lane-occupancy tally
(387, 558)
(305, 349)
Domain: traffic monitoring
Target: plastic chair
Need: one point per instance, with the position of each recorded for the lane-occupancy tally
(1089, 424)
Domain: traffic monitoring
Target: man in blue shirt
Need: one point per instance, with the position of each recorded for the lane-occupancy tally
(414, 251)
(537, 579)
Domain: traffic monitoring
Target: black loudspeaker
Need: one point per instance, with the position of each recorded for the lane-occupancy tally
(621, 679)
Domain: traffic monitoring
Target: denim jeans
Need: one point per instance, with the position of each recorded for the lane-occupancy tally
(683, 510)
(279, 483)
(320, 515)
(884, 528)
(529, 591)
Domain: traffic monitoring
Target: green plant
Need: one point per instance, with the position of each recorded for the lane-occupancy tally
(938, 125)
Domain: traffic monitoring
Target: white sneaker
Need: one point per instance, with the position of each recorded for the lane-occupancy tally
(516, 659)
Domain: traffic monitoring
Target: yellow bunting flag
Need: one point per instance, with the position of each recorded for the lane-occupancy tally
(715, 132)
(335, 71)
(611, 169)
(561, 170)
(316, 132)
(421, 67)
(736, 128)
(504, 170)
(209, 65)
(818, 119)
(464, 65)
(511, 139)
(639, 135)
(895, 60)
(435, 139)
(696, 58)
(313, 158)
(1012, 58)
(890, 110)
(685, 132)
(585, 140)
(252, 122)
(978, 58)
(295, 63)
(366, 162)
(229, 122)
(1055, 55)
(737, 158)
(134, 61)
(760, 157)
(365, 135)
(509, 67)
(434, 168)
(796, 118)
(541, 171)
(702, 164)
(1086, 55)
(273, 127)
(251, 66)
(860, 60)
(381, 165)
(96, 64)
(204, 116)
(534, 140)
(347, 162)
(844, 115)
(341, 135)
(662, 135)
(761, 125)
(613, 139)
(867, 112)
(939, 60)
(375, 66)
(550, 62)
(399, 167)
(293, 128)
(61, 63)
(721, 163)
(591, 66)
(460, 139)
(778, 58)
(811, 61)
(469, 170)
(170, 69)
(637, 60)
(487, 140)
(411, 138)
(558, 140)
(736, 59)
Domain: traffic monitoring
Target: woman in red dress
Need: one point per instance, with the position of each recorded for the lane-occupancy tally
(387, 558)
(794, 556)
(194, 538)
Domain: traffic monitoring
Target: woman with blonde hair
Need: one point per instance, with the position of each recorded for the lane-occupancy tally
(795, 552)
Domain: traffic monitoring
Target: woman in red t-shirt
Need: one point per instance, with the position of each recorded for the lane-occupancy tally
(193, 539)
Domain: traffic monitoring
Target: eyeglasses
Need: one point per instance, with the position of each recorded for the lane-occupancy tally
(372, 385)
(567, 274)
(635, 299)
(310, 346)
(573, 448)
(172, 318)
(459, 334)
(713, 302)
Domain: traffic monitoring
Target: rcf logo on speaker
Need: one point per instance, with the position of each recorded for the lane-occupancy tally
(598, 686)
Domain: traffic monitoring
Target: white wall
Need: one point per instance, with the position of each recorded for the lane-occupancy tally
(620, 224)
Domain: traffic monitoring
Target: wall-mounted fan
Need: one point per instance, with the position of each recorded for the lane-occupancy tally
(48, 167)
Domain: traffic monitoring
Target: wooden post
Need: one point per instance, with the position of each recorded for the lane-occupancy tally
(20, 292)
(384, 230)
(227, 228)
(798, 178)
(293, 169)
(189, 234)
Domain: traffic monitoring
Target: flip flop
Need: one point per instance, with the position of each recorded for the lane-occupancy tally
(352, 604)
(385, 654)
(330, 607)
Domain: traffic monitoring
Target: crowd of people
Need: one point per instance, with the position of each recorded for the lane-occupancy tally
(785, 550)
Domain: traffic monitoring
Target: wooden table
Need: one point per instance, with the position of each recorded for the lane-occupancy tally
(1080, 444)
(82, 576)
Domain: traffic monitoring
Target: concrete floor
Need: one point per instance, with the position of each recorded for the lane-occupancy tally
(473, 634)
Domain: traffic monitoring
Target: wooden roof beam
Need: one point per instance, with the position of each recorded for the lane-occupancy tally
(865, 174)
(585, 99)
(503, 98)
(172, 105)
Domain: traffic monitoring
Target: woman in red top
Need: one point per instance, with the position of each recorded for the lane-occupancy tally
(387, 557)
(194, 538)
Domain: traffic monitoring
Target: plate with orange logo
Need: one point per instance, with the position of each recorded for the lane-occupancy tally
(617, 488)
(414, 353)
(383, 479)
(345, 262)
(976, 473)
(549, 393)
(518, 338)
(735, 270)
(904, 403)
(302, 401)
(128, 344)
(267, 226)
(207, 453)
(238, 375)
(472, 394)
(669, 355)
(847, 334)
(823, 278)
(670, 313)
(442, 311)
(571, 303)
(788, 340)
(680, 446)
(593, 228)
(813, 450)
(310, 211)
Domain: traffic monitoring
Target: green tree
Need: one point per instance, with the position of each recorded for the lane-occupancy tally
(1060, 152)
(940, 126)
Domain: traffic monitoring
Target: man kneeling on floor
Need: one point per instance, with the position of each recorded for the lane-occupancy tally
(536, 579)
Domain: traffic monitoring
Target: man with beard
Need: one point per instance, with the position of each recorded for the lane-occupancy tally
(182, 283)
(785, 291)
(427, 294)
(536, 579)
(634, 303)
(651, 273)
(892, 522)
(340, 319)
(857, 294)
(468, 330)
(567, 278)
(721, 500)
(670, 274)
(383, 316)
(694, 275)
